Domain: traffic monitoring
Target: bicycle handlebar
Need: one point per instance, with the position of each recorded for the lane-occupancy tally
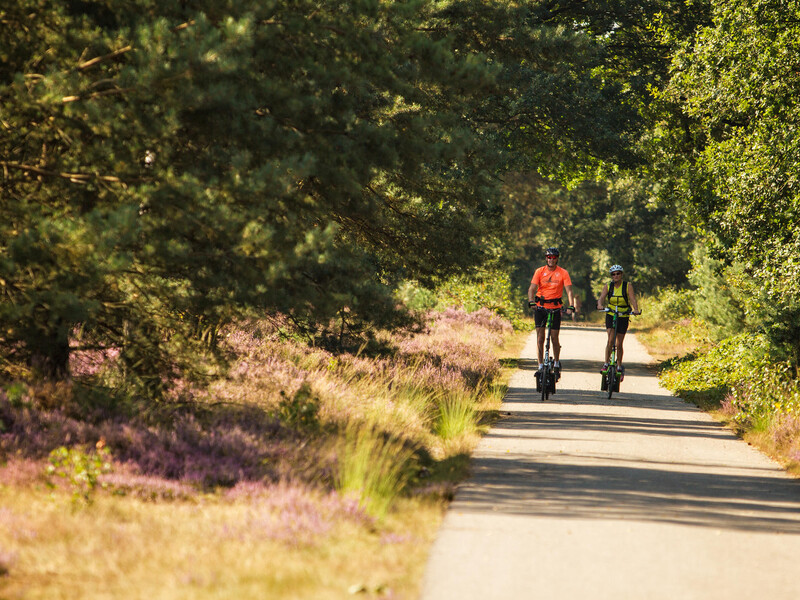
(532, 303)
(619, 312)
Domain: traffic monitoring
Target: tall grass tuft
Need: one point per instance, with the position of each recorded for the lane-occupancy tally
(372, 468)
(458, 416)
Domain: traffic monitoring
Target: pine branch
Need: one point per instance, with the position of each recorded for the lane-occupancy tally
(73, 177)
(94, 95)
(97, 60)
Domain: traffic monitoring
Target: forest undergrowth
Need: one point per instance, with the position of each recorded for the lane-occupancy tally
(301, 473)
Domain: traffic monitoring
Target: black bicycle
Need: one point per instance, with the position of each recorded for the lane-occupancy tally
(548, 375)
(611, 379)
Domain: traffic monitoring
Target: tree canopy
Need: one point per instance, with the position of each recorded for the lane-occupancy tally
(168, 167)
(729, 140)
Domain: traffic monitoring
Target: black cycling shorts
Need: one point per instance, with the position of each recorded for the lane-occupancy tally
(540, 318)
(622, 326)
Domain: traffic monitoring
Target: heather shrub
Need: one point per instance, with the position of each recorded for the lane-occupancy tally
(7, 560)
(285, 411)
(296, 515)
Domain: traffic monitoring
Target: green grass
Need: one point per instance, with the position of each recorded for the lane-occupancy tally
(372, 468)
(458, 416)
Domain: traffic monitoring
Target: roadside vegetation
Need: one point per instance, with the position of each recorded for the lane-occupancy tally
(744, 380)
(299, 473)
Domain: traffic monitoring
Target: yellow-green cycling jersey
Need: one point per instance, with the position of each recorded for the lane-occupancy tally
(617, 298)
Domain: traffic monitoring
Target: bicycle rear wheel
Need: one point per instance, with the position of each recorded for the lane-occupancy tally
(545, 383)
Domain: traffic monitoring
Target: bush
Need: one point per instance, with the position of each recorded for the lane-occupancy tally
(715, 371)
(766, 394)
(668, 305)
(490, 290)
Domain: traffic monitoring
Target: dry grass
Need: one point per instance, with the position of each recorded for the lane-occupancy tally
(210, 547)
(235, 495)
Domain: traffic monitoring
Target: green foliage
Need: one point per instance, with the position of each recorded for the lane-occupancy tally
(669, 305)
(170, 167)
(489, 289)
(765, 394)
(714, 372)
(80, 469)
(301, 410)
(716, 301)
(595, 225)
(416, 297)
(730, 300)
(727, 139)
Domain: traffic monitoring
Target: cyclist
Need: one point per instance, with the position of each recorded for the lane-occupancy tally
(547, 287)
(620, 294)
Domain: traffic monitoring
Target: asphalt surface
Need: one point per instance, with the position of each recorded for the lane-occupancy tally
(642, 496)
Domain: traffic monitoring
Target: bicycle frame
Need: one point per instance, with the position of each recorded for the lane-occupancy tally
(548, 376)
(611, 379)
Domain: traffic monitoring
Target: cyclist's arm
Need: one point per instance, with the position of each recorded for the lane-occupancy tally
(571, 297)
(602, 297)
(632, 298)
(532, 292)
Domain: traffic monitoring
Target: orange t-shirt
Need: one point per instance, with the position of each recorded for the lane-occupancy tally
(551, 283)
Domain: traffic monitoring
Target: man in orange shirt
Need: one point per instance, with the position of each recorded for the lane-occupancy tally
(547, 287)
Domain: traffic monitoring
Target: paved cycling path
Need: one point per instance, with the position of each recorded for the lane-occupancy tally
(642, 497)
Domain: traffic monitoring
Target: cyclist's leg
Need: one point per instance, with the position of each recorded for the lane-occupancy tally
(540, 320)
(540, 343)
(554, 330)
(556, 343)
(622, 329)
(609, 344)
(610, 332)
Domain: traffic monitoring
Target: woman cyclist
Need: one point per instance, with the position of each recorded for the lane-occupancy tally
(620, 294)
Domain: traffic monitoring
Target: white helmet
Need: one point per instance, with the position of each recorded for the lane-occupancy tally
(615, 268)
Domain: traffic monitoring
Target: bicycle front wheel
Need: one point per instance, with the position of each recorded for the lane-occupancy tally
(545, 384)
(611, 381)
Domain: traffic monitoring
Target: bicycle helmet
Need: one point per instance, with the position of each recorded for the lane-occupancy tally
(552, 252)
(615, 268)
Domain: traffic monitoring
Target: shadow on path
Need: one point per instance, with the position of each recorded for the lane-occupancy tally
(566, 395)
(537, 422)
(521, 485)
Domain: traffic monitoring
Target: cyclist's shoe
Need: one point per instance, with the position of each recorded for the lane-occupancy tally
(541, 366)
(621, 372)
(557, 369)
(604, 370)
(538, 380)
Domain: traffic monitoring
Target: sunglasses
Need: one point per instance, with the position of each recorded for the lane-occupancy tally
(551, 256)
(615, 273)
